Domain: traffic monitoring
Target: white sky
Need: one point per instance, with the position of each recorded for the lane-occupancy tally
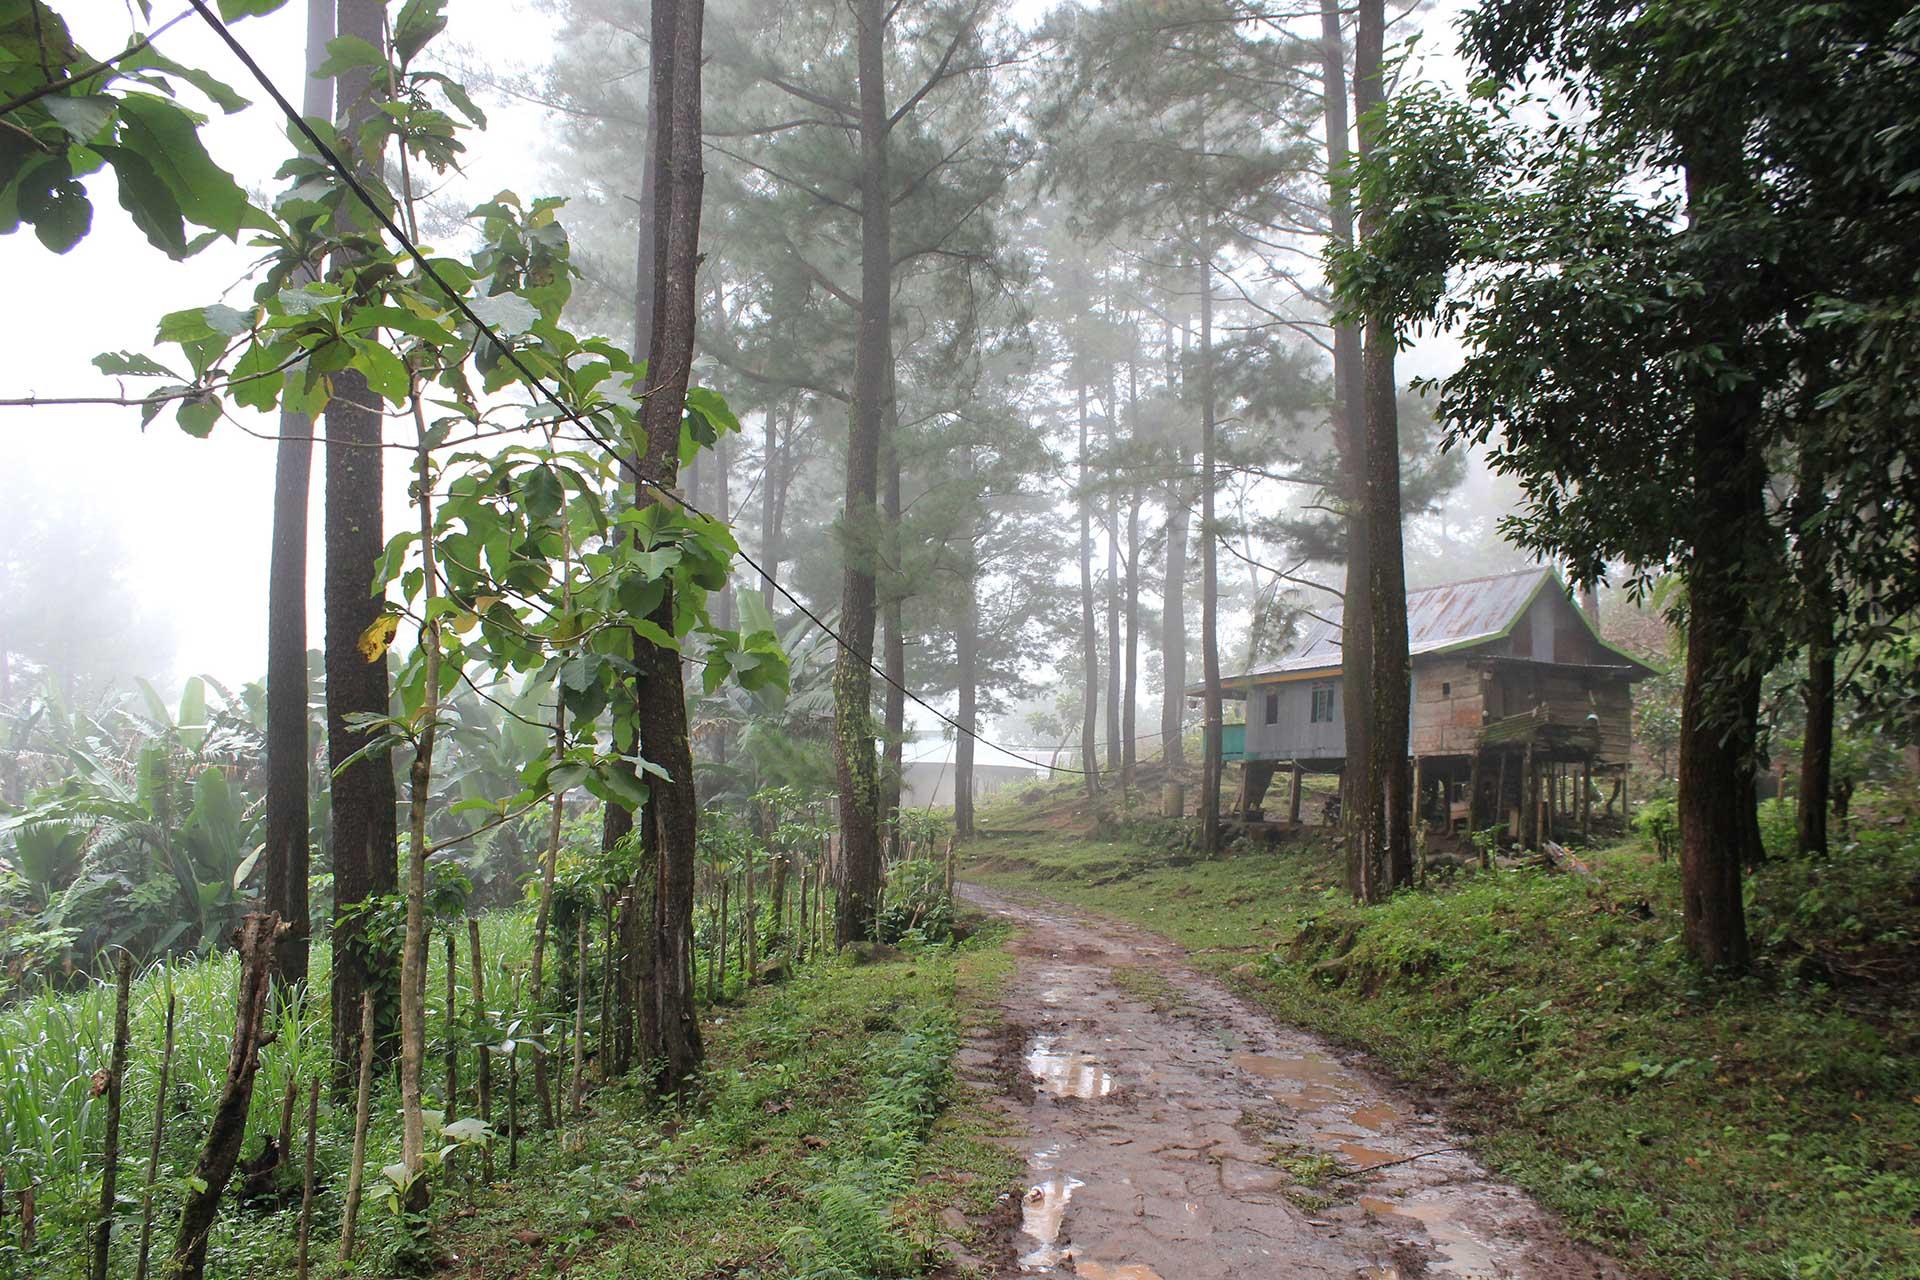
(195, 514)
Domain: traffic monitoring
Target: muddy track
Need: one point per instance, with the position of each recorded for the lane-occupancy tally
(1172, 1132)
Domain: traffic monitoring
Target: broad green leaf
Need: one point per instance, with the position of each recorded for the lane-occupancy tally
(54, 202)
(83, 117)
(198, 414)
(419, 22)
(149, 200)
(132, 364)
(506, 313)
(170, 140)
(385, 372)
(347, 53)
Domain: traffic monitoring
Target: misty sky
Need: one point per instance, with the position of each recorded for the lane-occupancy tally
(194, 515)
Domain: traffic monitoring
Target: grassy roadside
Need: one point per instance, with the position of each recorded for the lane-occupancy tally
(1767, 1129)
(831, 1143)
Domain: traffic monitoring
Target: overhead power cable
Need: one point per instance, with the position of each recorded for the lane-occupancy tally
(538, 384)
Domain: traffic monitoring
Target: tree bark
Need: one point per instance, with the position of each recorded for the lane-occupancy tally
(966, 660)
(288, 757)
(1387, 806)
(365, 836)
(1209, 569)
(894, 655)
(1173, 622)
(672, 810)
(1089, 629)
(1729, 533)
(254, 941)
(857, 871)
(1114, 742)
(770, 540)
(1130, 684)
(1817, 608)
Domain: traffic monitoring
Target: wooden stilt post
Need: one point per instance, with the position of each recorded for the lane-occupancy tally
(1508, 816)
(1529, 800)
(1586, 801)
(1293, 797)
(1475, 818)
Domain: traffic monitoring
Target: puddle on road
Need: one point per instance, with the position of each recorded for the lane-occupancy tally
(1041, 1214)
(1376, 1117)
(1088, 1269)
(1364, 1157)
(1067, 1073)
(1316, 1079)
(1460, 1251)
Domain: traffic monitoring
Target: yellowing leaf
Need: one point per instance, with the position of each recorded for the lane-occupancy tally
(463, 622)
(375, 639)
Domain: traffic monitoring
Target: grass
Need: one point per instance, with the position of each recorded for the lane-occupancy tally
(52, 1125)
(830, 1138)
(1767, 1128)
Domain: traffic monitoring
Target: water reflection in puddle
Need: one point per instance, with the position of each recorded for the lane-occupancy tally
(1377, 1117)
(1364, 1157)
(1041, 1215)
(1461, 1253)
(1315, 1079)
(1067, 1073)
(1088, 1269)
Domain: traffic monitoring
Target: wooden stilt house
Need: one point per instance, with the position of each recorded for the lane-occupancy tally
(1521, 713)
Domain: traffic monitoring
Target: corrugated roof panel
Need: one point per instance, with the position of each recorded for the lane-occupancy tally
(1437, 618)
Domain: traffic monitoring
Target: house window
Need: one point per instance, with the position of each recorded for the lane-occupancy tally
(1322, 705)
(1446, 688)
(1273, 708)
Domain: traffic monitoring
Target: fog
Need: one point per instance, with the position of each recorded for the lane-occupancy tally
(162, 538)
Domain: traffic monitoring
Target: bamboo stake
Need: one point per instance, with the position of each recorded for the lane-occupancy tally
(606, 984)
(110, 1157)
(580, 1018)
(752, 971)
(483, 1068)
(362, 1098)
(453, 1025)
(306, 1175)
(288, 1097)
(513, 1109)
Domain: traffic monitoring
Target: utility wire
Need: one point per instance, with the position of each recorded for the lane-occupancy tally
(534, 382)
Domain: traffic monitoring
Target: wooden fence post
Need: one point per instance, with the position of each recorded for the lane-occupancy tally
(254, 942)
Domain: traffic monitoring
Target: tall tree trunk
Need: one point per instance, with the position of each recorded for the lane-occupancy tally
(894, 656)
(1729, 536)
(770, 483)
(365, 837)
(1817, 619)
(288, 756)
(1113, 580)
(857, 871)
(1385, 807)
(1130, 685)
(1173, 620)
(1089, 629)
(1210, 713)
(1356, 629)
(671, 814)
(966, 659)
(616, 821)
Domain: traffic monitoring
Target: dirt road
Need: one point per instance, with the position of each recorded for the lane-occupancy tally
(1172, 1132)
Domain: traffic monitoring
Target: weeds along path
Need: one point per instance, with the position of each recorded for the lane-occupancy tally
(1174, 1133)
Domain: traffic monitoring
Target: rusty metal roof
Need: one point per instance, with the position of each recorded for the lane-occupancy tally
(1452, 615)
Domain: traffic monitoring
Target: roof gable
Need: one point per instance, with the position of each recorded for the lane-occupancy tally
(1453, 615)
